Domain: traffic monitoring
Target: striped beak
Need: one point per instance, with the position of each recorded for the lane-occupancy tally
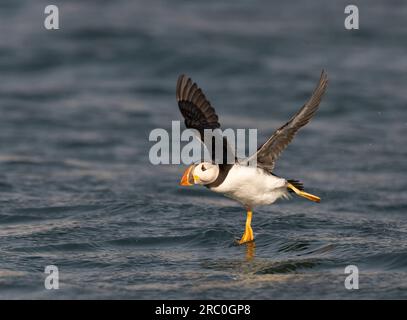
(188, 178)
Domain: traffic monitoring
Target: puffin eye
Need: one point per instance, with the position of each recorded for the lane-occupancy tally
(203, 168)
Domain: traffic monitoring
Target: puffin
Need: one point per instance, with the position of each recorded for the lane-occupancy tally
(250, 185)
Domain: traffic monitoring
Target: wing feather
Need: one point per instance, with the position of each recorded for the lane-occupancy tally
(269, 152)
(199, 114)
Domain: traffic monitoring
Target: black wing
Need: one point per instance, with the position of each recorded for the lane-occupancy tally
(200, 115)
(269, 152)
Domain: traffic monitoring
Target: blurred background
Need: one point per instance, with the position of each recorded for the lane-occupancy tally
(77, 189)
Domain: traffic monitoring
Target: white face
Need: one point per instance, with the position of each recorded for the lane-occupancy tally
(205, 173)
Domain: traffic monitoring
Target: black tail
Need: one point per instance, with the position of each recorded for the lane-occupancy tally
(297, 184)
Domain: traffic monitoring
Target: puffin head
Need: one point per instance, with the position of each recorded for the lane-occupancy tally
(201, 173)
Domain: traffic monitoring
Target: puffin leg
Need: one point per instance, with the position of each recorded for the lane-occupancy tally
(248, 232)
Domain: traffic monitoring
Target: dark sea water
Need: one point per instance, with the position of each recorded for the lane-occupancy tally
(77, 189)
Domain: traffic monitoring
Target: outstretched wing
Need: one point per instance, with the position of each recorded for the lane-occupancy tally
(200, 115)
(269, 152)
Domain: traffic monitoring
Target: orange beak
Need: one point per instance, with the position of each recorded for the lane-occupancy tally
(187, 178)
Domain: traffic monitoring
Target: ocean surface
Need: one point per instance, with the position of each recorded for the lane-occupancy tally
(77, 189)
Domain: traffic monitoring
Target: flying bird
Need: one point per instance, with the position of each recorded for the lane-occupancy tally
(249, 185)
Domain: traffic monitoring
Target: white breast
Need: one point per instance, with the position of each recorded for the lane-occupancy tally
(252, 186)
